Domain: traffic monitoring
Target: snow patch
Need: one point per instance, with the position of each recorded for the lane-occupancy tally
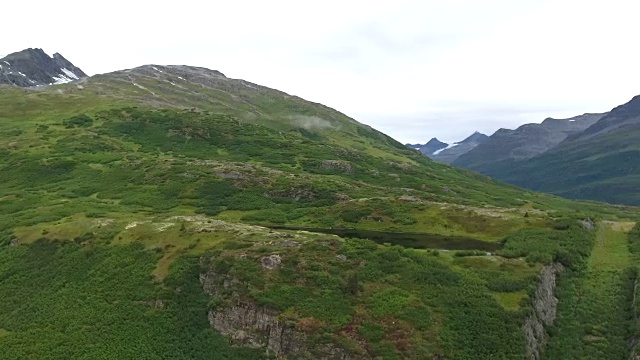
(249, 86)
(572, 120)
(70, 74)
(7, 63)
(448, 147)
(156, 69)
(62, 79)
(143, 88)
(22, 74)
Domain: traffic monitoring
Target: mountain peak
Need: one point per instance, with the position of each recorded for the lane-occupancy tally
(475, 137)
(434, 141)
(430, 147)
(33, 67)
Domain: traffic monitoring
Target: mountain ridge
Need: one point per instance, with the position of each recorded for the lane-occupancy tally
(598, 163)
(453, 151)
(526, 141)
(33, 67)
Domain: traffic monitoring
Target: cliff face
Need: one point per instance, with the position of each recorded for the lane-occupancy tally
(254, 326)
(545, 305)
(250, 325)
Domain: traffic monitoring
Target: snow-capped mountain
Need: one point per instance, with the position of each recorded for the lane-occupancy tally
(430, 147)
(33, 67)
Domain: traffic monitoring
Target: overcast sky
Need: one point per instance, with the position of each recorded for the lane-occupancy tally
(412, 69)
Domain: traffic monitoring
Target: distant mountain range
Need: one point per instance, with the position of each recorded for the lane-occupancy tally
(33, 67)
(591, 156)
(524, 142)
(448, 153)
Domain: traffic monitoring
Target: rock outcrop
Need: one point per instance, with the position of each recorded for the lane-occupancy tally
(254, 326)
(247, 324)
(545, 305)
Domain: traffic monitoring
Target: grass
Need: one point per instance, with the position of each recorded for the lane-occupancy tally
(594, 319)
(611, 251)
(510, 300)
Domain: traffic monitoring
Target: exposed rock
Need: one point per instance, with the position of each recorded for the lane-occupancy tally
(210, 279)
(339, 165)
(409, 198)
(342, 197)
(103, 222)
(156, 304)
(280, 235)
(233, 175)
(341, 257)
(254, 326)
(399, 165)
(294, 193)
(289, 243)
(250, 325)
(545, 305)
(588, 224)
(14, 242)
(271, 262)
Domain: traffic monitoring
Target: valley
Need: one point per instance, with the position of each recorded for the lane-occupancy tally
(170, 212)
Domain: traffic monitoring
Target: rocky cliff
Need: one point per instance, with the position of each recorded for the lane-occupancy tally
(250, 325)
(545, 305)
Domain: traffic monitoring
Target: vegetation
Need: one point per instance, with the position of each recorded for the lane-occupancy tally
(595, 316)
(117, 196)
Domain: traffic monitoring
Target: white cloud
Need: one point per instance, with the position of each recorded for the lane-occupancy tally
(413, 69)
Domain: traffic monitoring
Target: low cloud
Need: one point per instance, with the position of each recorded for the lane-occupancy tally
(311, 122)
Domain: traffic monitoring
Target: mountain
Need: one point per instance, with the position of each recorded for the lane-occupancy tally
(33, 67)
(171, 212)
(599, 163)
(430, 147)
(524, 142)
(455, 150)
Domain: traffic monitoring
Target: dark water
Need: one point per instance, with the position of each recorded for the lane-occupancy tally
(410, 240)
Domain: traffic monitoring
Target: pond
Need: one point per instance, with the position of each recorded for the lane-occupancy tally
(406, 239)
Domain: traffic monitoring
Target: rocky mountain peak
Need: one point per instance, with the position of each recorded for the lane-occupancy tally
(33, 67)
(430, 147)
(475, 137)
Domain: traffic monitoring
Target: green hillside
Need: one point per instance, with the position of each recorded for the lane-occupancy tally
(138, 214)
